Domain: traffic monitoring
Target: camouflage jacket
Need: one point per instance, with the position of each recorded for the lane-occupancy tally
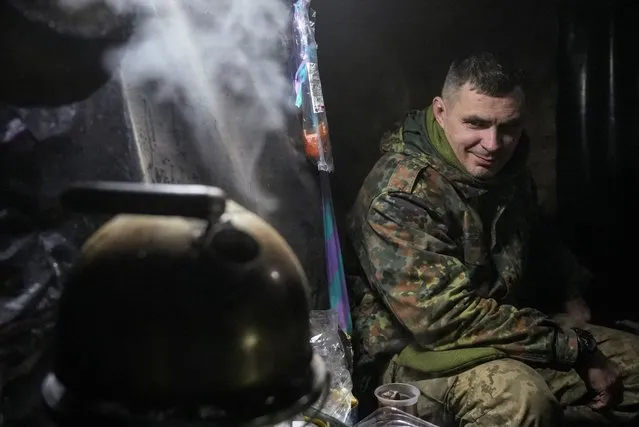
(453, 263)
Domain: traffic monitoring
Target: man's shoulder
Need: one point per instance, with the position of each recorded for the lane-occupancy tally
(404, 173)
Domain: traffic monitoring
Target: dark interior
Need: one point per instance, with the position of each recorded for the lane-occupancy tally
(378, 59)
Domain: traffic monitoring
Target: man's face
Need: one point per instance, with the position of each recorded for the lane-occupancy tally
(483, 131)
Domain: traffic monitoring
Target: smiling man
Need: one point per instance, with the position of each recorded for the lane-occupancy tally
(483, 130)
(463, 279)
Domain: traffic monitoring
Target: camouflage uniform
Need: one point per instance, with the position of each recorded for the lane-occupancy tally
(454, 266)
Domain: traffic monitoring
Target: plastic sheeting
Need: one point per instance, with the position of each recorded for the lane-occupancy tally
(329, 344)
(36, 250)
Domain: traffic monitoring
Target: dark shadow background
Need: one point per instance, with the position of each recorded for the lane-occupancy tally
(378, 59)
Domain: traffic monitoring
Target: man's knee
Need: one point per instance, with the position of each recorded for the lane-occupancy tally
(504, 392)
(622, 347)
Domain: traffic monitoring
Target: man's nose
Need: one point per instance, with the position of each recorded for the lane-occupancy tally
(491, 139)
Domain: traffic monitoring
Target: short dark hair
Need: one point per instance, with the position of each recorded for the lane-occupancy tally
(488, 73)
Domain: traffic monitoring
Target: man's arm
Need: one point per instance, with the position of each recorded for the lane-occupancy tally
(412, 264)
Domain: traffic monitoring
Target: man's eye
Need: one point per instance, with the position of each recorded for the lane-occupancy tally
(477, 125)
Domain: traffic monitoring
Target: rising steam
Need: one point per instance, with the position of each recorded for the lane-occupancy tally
(223, 61)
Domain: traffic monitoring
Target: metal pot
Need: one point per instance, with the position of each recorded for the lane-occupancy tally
(206, 309)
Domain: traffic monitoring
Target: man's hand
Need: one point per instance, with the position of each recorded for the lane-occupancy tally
(601, 376)
(578, 312)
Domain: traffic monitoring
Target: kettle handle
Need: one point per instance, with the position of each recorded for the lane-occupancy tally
(104, 197)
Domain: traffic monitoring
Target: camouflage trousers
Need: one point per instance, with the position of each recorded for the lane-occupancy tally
(507, 392)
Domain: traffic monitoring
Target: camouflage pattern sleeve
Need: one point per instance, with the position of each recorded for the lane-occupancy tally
(413, 265)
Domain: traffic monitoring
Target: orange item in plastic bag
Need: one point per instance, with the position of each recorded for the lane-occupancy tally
(313, 141)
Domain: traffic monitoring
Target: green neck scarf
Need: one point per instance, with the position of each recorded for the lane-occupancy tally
(438, 140)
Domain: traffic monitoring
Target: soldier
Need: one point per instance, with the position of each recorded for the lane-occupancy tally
(461, 275)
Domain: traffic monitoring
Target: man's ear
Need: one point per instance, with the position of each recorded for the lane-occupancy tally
(439, 110)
